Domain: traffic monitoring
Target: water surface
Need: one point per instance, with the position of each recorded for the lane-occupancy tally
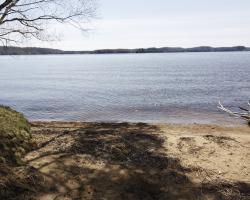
(172, 88)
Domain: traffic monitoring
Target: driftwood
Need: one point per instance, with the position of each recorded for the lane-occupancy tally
(245, 114)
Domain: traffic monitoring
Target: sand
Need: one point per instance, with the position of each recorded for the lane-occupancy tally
(112, 161)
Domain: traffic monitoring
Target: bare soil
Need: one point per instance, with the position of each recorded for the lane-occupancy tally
(112, 161)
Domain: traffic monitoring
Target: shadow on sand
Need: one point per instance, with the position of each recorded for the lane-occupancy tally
(112, 161)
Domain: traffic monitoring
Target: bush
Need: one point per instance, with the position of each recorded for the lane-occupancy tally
(15, 136)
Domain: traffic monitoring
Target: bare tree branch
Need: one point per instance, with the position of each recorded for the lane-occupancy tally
(28, 18)
(244, 115)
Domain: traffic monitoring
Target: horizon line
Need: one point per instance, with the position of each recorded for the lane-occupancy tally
(123, 48)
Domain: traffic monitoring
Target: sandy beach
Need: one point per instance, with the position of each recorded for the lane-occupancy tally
(124, 100)
(74, 160)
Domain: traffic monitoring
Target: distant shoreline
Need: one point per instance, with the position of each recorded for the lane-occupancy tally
(49, 51)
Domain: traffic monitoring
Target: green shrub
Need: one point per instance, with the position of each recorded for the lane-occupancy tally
(14, 135)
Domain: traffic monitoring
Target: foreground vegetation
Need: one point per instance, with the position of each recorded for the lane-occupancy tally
(15, 136)
(15, 142)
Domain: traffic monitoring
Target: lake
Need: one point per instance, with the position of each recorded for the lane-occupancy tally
(167, 87)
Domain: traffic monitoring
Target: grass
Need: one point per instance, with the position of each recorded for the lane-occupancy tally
(14, 135)
(16, 178)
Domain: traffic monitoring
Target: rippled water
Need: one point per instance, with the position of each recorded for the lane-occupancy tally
(176, 87)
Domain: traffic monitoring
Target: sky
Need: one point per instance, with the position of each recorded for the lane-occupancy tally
(159, 23)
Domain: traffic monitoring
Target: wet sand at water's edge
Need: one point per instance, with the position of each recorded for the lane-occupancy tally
(140, 161)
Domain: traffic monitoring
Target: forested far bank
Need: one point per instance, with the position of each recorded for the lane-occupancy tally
(47, 51)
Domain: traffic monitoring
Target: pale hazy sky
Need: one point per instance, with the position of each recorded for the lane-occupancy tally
(158, 23)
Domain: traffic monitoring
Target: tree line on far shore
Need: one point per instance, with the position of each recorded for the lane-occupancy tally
(45, 51)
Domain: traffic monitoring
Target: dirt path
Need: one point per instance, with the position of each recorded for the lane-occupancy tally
(140, 161)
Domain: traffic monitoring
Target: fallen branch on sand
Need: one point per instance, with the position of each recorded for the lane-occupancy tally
(244, 115)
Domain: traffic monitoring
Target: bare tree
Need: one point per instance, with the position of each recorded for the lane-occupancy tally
(245, 114)
(29, 18)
